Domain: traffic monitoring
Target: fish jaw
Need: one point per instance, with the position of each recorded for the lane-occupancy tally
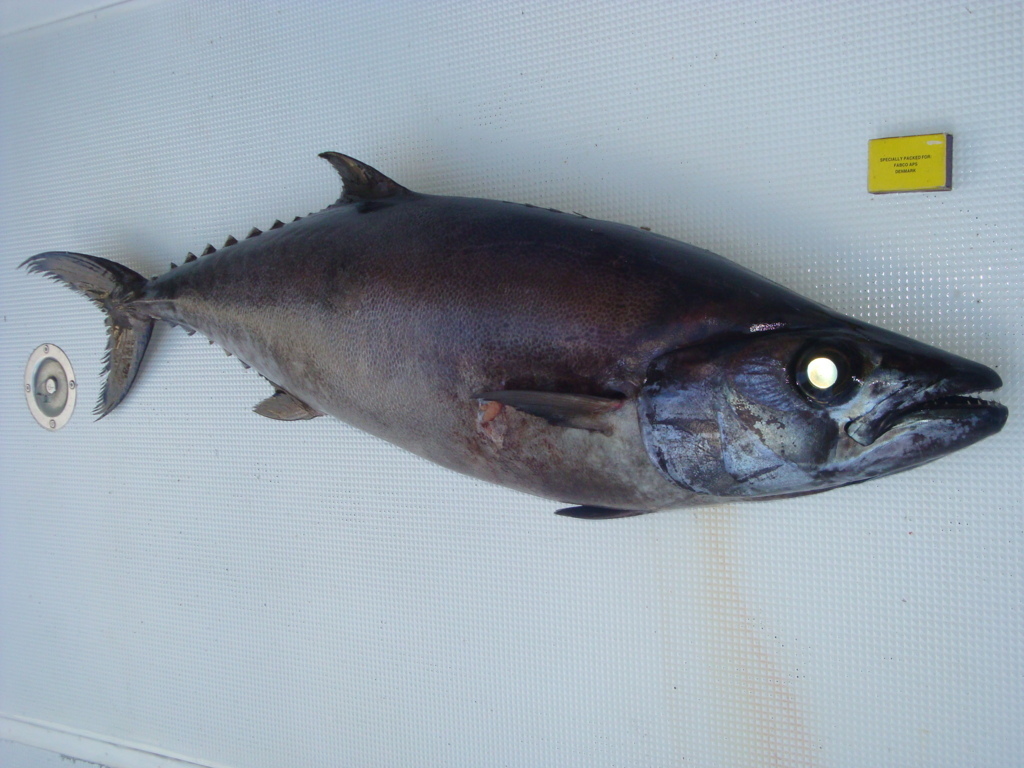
(947, 398)
(917, 439)
(933, 412)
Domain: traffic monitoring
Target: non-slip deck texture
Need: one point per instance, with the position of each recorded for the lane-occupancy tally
(189, 576)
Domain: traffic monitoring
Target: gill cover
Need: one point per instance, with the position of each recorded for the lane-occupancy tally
(798, 412)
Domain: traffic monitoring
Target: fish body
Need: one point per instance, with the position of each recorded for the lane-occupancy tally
(580, 360)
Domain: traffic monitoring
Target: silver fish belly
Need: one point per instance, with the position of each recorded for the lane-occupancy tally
(579, 360)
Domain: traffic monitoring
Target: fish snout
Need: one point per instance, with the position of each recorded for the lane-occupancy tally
(940, 390)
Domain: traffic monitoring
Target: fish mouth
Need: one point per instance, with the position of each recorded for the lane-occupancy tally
(960, 409)
(949, 406)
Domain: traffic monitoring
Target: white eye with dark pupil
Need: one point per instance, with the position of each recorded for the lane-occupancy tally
(822, 372)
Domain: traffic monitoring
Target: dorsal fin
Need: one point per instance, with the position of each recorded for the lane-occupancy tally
(361, 182)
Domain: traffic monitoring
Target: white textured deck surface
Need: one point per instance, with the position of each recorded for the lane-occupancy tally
(216, 587)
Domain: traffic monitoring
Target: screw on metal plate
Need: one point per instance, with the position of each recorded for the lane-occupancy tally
(50, 387)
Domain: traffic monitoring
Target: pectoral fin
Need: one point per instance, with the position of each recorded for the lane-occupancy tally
(576, 411)
(284, 406)
(598, 513)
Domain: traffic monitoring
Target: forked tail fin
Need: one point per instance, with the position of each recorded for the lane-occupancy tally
(113, 288)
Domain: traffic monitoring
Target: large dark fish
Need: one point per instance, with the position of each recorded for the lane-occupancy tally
(579, 360)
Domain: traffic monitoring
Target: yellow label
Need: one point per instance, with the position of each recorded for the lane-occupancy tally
(910, 164)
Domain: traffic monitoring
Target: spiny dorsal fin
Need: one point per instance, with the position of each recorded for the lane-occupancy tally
(277, 224)
(361, 182)
(253, 232)
(208, 250)
(191, 257)
(230, 241)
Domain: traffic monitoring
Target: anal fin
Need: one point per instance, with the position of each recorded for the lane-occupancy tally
(284, 406)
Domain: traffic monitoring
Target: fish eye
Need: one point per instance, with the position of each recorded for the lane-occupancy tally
(822, 372)
(826, 374)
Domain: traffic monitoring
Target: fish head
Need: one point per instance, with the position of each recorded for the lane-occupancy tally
(786, 413)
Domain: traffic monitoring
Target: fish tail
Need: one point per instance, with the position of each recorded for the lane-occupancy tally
(113, 288)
